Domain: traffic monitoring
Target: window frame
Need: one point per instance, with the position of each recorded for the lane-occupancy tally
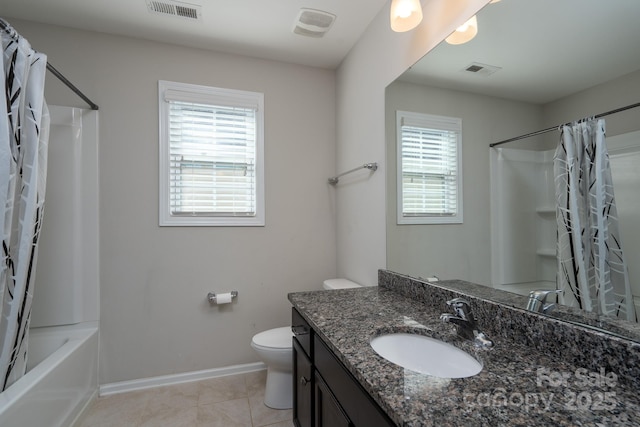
(174, 91)
(428, 121)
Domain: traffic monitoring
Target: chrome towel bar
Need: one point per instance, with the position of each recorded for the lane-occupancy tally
(371, 166)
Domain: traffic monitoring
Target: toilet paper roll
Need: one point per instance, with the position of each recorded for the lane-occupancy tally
(223, 298)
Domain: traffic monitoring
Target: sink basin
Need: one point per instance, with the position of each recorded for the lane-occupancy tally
(426, 355)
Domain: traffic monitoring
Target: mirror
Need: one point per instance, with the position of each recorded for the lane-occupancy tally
(534, 65)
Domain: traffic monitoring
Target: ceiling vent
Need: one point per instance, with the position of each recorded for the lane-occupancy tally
(313, 23)
(481, 69)
(175, 8)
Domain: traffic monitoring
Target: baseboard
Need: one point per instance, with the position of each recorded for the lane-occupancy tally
(185, 377)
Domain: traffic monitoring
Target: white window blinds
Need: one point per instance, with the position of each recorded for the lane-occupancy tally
(212, 156)
(213, 153)
(429, 174)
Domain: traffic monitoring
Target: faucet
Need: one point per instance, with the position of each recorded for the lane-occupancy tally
(465, 323)
(538, 298)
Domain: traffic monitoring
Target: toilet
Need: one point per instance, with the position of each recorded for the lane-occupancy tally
(274, 348)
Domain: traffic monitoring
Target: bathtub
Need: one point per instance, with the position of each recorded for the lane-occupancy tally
(61, 378)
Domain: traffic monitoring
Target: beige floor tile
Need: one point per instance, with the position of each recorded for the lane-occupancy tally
(221, 389)
(262, 415)
(177, 396)
(233, 401)
(256, 382)
(171, 417)
(231, 413)
(117, 410)
(282, 424)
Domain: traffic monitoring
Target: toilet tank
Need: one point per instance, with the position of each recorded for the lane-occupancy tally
(339, 284)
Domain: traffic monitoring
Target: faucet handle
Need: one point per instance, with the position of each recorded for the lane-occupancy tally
(538, 298)
(458, 302)
(541, 294)
(461, 307)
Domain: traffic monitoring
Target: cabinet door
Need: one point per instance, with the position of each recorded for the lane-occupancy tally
(302, 387)
(354, 400)
(328, 411)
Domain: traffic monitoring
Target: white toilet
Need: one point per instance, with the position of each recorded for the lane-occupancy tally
(274, 348)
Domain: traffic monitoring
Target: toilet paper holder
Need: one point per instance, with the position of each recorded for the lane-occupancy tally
(213, 299)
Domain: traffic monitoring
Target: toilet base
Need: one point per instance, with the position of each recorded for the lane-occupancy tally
(279, 389)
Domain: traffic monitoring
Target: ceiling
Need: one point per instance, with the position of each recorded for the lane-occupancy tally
(545, 49)
(257, 28)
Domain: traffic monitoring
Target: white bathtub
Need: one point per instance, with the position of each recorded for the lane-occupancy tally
(62, 378)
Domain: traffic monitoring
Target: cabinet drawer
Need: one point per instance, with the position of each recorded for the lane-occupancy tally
(301, 330)
(354, 400)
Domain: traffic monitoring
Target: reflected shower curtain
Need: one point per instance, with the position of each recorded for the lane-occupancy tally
(591, 267)
(24, 131)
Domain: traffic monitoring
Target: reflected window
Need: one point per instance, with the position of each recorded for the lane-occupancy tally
(429, 168)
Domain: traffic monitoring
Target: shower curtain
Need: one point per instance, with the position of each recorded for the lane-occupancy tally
(591, 267)
(24, 131)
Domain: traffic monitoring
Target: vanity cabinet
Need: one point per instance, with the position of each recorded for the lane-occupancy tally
(325, 393)
(303, 383)
(303, 374)
(328, 411)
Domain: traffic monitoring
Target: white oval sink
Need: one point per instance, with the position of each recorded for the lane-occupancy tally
(426, 355)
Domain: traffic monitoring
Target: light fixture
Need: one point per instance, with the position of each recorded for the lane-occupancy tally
(405, 15)
(464, 32)
(494, 1)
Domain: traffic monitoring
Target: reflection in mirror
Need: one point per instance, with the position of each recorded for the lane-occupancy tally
(537, 64)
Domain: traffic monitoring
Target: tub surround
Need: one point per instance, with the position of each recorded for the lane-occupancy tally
(541, 371)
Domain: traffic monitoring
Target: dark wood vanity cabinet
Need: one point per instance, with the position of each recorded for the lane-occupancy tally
(325, 394)
(303, 375)
(303, 383)
(328, 412)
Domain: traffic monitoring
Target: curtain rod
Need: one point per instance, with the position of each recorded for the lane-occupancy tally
(6, 27)
(551, 129)
(71, 86)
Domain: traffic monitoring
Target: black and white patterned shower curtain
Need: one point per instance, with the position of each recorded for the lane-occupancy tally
(24, 132)
(591, 267)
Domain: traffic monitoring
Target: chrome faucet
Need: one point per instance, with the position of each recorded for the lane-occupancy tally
(465, 323)
(538, 298)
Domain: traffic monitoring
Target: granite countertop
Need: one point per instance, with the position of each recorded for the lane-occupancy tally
(518, 386)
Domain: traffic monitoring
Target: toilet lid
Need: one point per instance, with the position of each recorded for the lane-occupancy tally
(274, 338)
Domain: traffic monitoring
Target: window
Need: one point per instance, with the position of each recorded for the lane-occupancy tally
(429, 169)
(211, 156)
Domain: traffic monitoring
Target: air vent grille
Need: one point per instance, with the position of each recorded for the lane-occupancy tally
(481, 69)
(174, 8)
(313, 23)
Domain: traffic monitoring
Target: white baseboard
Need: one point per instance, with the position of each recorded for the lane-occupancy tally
(185, 377)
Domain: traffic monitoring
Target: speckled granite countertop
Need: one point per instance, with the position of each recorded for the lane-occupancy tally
(518, 386)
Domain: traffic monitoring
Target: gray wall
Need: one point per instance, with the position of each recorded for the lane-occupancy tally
(608, 96)
(154, 318)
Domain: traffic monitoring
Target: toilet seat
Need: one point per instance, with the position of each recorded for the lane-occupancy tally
(276, 339)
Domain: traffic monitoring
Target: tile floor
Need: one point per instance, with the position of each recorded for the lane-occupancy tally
(232, 401)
